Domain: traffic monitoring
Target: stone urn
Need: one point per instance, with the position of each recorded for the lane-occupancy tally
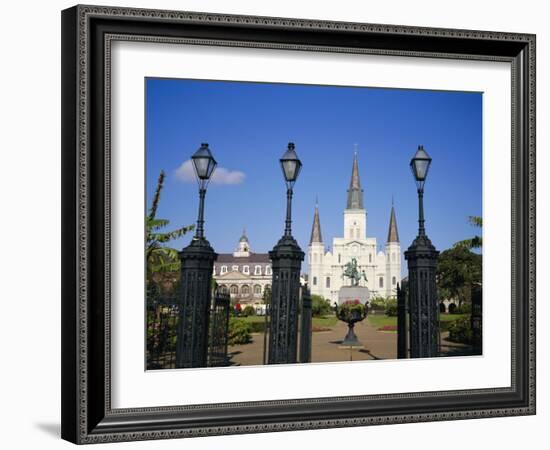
(352, 308)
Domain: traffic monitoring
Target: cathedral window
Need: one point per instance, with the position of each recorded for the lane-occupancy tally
(327, 282)
(257, 270)
(381, 282)
(393, 281)
(314, 281)
(339, 258)
(224, 270)
(370, 257)
(246, 269)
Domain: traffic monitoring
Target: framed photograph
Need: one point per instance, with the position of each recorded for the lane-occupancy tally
(280, 224)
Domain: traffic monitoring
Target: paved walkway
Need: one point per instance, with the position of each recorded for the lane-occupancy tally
(327, 346)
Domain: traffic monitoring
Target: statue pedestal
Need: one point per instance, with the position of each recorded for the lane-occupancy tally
(352, 293)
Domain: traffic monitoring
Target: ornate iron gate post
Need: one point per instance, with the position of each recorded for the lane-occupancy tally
(305, 327)
(197, 264)
(423, 305)
(402, 321)
(286, 257)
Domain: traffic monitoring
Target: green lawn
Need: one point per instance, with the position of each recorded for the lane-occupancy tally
(258, 322)
(380, 320)
(325, 322)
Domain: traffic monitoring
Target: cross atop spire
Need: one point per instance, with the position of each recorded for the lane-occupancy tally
(355, 193)
(316, 228)
(393, 235)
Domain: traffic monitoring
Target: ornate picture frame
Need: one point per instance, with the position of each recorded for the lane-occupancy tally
(87, 412)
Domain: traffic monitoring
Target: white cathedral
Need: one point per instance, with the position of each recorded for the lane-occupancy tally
(382, 269)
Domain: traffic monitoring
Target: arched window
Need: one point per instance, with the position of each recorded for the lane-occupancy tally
(315, 257)
(245, 290)
(224, 270)
(257, 289)
(223, 289)
(393, 281)
(267, 287)
(339, 258)
(370, 257)
(327, 282)
(234, 290)
(246, 269)
(381, 282)
(314, 281)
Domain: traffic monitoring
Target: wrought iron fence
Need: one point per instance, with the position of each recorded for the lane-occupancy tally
(163, 316)
(219, 330)
(305, 327)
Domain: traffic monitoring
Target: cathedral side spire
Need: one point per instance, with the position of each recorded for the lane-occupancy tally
(393, 235)
(316, 228)
(355, 193)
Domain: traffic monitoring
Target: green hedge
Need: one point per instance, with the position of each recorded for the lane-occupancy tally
(391, 308)
(461, 331)
(239, 331)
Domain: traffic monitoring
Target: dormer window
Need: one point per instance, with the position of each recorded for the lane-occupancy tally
(224, 270)
(257, 270)
(268, 270)
(246, 269)
(235, 268)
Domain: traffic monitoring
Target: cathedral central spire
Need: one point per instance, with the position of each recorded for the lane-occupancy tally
(355, 193)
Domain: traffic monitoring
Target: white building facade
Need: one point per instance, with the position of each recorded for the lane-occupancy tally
(243, 274)
(382, 268)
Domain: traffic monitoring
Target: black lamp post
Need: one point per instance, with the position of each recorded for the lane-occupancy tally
(197, 264)
(286, 257)
(421, 259)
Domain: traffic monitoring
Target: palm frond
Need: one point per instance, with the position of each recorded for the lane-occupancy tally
(156, 196)
(156, 224)
(475, 242)
(476, 221)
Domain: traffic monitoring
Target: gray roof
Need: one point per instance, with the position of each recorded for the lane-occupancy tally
(355, 193)
(316, 228)
(393, 235)
(253, 258)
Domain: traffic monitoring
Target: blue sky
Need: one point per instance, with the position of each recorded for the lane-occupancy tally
(248, 126)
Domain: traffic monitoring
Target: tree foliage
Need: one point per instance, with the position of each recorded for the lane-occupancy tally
(161, 258)
(319, 306)
(476, 241)
(458, 270)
